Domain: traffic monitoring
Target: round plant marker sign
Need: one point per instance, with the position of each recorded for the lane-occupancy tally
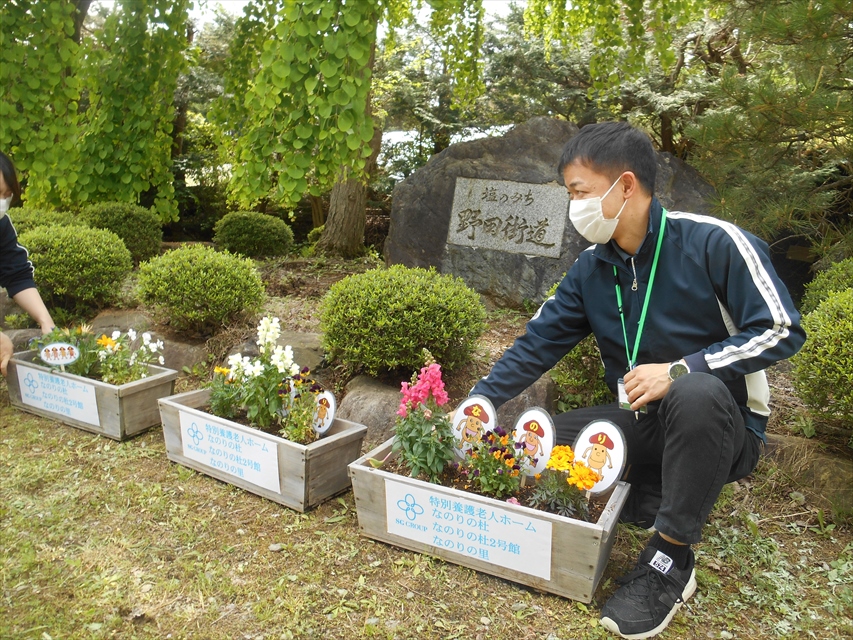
(474, 417)
(534, 431)
(325, 413)
(601, 446)
(59, 353)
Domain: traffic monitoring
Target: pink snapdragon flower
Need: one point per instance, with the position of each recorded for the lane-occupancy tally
(429, 383)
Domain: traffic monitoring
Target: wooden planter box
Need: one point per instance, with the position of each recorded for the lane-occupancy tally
(542, 550)
(118, 412)
(297, 476)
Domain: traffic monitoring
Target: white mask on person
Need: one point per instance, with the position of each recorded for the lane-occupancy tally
(5, 203)
(588, 218)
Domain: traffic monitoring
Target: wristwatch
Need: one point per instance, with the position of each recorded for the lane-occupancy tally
(677, 369)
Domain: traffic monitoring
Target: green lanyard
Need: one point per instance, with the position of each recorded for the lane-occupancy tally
(633, 359)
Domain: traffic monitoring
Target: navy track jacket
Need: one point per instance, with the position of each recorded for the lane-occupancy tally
(716, 302)
(16, 270)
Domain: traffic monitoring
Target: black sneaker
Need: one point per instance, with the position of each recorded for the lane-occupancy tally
(650, 596)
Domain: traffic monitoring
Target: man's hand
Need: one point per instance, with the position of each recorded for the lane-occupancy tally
(647, 383)
(6, 351)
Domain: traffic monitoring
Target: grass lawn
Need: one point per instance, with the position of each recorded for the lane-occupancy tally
(111, 540)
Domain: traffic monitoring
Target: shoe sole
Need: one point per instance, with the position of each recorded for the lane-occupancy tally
(689, 590)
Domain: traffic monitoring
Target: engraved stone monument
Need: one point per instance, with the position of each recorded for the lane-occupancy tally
(494, 211)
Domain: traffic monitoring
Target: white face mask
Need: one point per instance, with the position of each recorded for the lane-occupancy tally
(589, 220)
(5, 203)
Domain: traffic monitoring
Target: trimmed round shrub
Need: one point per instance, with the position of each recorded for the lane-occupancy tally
(382, 319)
(140, 228)
(579, 376)
(823, 369)
(253, 234)
(836, 278)
(200, 289)
(77, 267)
(25, 219)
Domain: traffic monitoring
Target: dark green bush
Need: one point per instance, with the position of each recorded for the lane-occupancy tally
(198, 288)
(579, 376)
(25, 219)
(138, 227)
(823, 369)
(253, 234)
(382, 319)
(77, 267)
(836, 278)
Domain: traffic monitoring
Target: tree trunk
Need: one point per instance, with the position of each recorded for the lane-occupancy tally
(318, 216)
(344, 231)
(80, 12)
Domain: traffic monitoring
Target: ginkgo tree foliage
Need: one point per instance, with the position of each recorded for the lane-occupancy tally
(91, 120)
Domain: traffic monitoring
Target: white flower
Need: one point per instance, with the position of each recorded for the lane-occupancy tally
(161, 361)
(269, 330)
(153, 347)
(146, 337)
(160, 345)
(116, 335)
(282, 358)
(102, 355)
(255, 369)
(133, 358)
(131, 334)
(294, 369)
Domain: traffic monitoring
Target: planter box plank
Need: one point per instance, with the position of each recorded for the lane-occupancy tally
(123, 411)
(307, 474)
(579, 550)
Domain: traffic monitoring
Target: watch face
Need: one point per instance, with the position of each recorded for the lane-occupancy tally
(677, 369)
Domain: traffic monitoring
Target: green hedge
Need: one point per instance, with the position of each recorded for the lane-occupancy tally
(26, 219)
(823, 369)
(198, 288)
(382, 320)
(836, 278)
(138, 227)
(253, 234)
(77, 267)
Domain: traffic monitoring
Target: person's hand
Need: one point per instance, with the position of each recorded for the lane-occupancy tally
(6, 351)
(647, 383)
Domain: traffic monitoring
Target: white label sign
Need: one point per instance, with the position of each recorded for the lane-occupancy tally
(238, 451)
(57, 394)
(488, 533)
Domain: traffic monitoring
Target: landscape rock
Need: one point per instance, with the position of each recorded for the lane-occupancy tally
(7, 306)
(805, 460)
(307, 348)
(527, 154)
(542, 393)
(121, 320)
(21, 337)
(373, 404)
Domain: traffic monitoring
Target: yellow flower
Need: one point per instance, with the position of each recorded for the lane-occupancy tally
(561, 458)
(583, 477)
(106, 341)
(504, 440)
(222, 370)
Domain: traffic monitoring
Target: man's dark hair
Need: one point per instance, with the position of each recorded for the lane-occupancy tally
(10, 177)
(611, 148)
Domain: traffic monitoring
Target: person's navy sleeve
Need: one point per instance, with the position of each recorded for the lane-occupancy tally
(764, 325)
(16, 270)
(559, 325)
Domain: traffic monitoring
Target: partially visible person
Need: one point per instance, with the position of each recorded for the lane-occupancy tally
(6, 351)
(16, 270)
